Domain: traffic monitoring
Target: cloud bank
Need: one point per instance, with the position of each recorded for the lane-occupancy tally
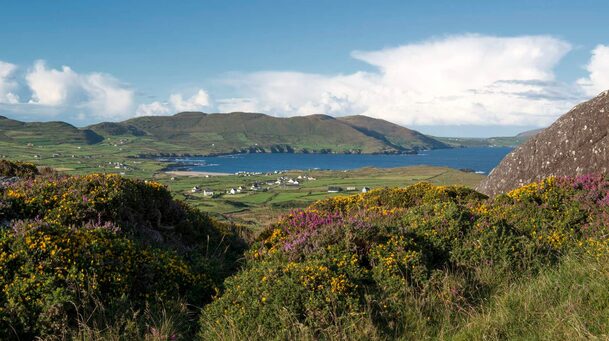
(199, 101)
(96, 94)
(454, 80)
(599, 72)
(467, 79)
(7, 84)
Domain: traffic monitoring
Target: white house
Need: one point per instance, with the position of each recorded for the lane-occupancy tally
(208, 192)
(365, 189)
(351, 188)
(196, 189)
(232, 191)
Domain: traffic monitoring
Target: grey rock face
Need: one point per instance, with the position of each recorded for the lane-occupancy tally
(577, 143)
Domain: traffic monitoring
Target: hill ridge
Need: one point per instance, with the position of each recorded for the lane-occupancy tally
(215, 133)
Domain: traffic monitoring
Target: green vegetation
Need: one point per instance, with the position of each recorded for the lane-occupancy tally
(119, 156)
(255, 208)
(392, 134)
(108, 257)
(246, 132)
(426, 262)
(204, 134)
(569, 302)
(91, 249)
(44, 133)
(18, 169)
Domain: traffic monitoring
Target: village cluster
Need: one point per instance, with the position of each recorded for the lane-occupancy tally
(282, 182)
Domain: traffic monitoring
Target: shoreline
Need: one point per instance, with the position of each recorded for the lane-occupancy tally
(196, 173)
(188, 155)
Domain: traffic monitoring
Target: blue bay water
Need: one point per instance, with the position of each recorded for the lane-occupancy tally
(477, 159)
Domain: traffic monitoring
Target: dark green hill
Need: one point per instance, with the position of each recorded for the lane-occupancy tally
(392, 134)
(252, 132)
(46, 133)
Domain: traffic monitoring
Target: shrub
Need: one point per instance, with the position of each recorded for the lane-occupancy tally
(47, 269)
(413, 262)
(69, 244)
(19, 169)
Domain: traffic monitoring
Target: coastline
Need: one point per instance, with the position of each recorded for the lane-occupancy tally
(196, 173)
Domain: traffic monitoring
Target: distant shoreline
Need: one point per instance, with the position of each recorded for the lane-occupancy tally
(196, 173)
(162, 156)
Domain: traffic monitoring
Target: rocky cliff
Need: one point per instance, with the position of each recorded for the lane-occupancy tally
(577, 143)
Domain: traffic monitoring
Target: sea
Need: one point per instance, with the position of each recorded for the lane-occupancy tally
(481, 160)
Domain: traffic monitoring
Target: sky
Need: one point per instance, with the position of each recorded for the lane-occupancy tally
(448, 68)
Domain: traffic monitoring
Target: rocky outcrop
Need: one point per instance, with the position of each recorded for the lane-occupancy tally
(577, 143)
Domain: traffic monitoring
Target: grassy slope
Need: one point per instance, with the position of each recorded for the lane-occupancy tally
(570, 302)
(392, 133)
(221, 133)
(46, 133)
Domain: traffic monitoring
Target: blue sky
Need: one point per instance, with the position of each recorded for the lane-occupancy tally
(158, 57)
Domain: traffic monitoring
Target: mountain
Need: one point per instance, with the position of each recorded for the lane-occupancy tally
(577, 143)
(499, 141)
(45, 133)
(392, 134)
(252, 132)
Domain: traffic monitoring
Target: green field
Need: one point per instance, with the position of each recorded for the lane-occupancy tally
(248, 208)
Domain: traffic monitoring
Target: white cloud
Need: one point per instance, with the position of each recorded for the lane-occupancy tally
(153, 109)
(197, 102)
(456, 80)
(107, 97)
(598, 67)
(100, 95)
(50, 86)
(7, 84)
(468, 79)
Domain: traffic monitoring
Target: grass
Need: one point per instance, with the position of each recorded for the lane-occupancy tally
(251, 208)
(567, 302)
(570, 302)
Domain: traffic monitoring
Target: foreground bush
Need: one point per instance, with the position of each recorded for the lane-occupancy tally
(72, 246)
(410, 263)
(19, 169)
(48, 271)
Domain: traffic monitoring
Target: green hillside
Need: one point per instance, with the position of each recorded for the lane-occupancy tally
(100, 256)
(45, 133)
(392, 134)
(250, 132)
